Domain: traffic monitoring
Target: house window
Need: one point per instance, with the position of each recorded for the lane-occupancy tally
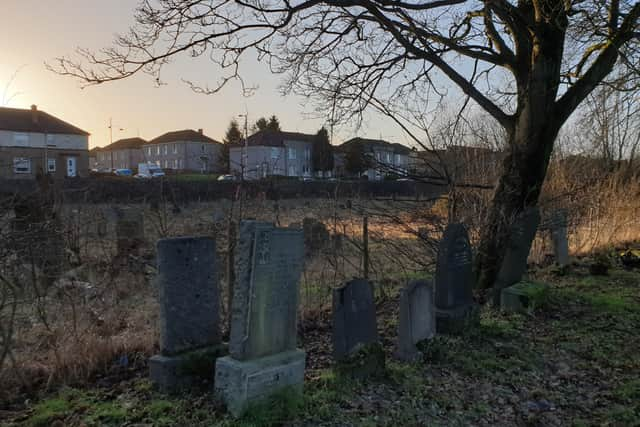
(175, 163)
(166, 149)
(397, 162)
(292, 153)
(388, 157)
(148, 151)
(51, 165)
(21, 139)
(158, 152)
(175, 148)
(202, 148)
(274, 152)
(378, 156)
(50, 140)
(307, 154)
(21, 165)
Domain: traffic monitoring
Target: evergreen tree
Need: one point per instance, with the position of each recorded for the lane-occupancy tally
(233, 136)
(273, 124)
(322, 152)
(355, 160)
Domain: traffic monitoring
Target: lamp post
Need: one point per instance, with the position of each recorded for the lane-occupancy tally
(243, 165)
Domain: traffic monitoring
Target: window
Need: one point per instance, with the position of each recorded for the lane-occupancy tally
(307, 154)
(21, 165)
(388, 157)
(166, 149)
(148, 151)
(175, 163)
(166, 163)
(292, 153)
(175, 148)
(158, 161)
(51, 165)
(202, 148)
(158, 151)
(50, 140)
(21, 139)
(274, 152)
(378, 156)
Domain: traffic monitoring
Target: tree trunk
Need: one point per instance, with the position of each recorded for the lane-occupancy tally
(531, 142)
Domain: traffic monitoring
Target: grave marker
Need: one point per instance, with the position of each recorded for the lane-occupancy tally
(417, 318)
(189, 313)
(263, 354)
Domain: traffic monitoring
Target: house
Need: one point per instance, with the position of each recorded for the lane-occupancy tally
(122, 154)
(383, 158)
(184, 150)
(270, 152)
(34, 142)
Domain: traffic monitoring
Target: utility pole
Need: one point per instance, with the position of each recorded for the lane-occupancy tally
(246, 143)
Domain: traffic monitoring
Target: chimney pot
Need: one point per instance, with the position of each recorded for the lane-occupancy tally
(34, 113)
(200, 131)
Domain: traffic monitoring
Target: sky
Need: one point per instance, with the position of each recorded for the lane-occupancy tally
(37, 31)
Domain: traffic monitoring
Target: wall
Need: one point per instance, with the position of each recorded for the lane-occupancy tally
(261, 161)
(37, 161)
(184, 155)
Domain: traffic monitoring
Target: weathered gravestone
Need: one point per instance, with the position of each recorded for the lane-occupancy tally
(356, 345)
(514, 265)
(417, 318)
(189, 313)
(559, 237)
(263, 357)
(523, 297)
(129, 231)
(455, 308)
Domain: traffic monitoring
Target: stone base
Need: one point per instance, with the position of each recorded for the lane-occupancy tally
(366, 361)
(454, 321)
(172, 374)
(523, 297)
(240, 383)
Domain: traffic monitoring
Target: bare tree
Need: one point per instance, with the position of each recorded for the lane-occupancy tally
(529, 64)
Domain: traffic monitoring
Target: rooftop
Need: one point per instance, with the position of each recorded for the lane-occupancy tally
(34, 120)
(124, 144)
(188, 135)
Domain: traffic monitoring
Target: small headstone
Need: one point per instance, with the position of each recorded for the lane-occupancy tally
(522, 232)
(454, 281)
(356, 345)
(417, 318)
(189, 313)
(263, 357)
(523, 297)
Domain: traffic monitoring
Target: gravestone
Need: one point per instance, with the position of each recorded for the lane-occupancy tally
(559, 237)
(455, 308)
(356, 345)
(129, 231)
(514, 265)
(417, 318)
(264, 358)
(523, 297)
(189, 313)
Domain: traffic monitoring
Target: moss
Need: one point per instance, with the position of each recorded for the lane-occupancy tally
(44, 413)
(365, 361)
(106, 414)
(275, 410)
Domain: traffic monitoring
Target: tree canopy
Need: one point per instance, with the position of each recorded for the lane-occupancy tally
(322, 151)
(529, 64)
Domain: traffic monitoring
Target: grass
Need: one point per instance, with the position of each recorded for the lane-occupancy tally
(577, 353)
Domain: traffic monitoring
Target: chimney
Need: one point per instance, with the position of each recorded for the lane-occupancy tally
(34, 114)
(200, 131)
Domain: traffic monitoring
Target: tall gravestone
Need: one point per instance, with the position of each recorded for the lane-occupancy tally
(454, 281)
(559, 237)
(356, 345)
(417, 321)
(263, 356)
(514, 264)
(189, 313)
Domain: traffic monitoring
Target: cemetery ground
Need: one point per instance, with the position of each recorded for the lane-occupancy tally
(574, 361)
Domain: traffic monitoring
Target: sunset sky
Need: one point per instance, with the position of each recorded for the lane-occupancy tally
(37, 31)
